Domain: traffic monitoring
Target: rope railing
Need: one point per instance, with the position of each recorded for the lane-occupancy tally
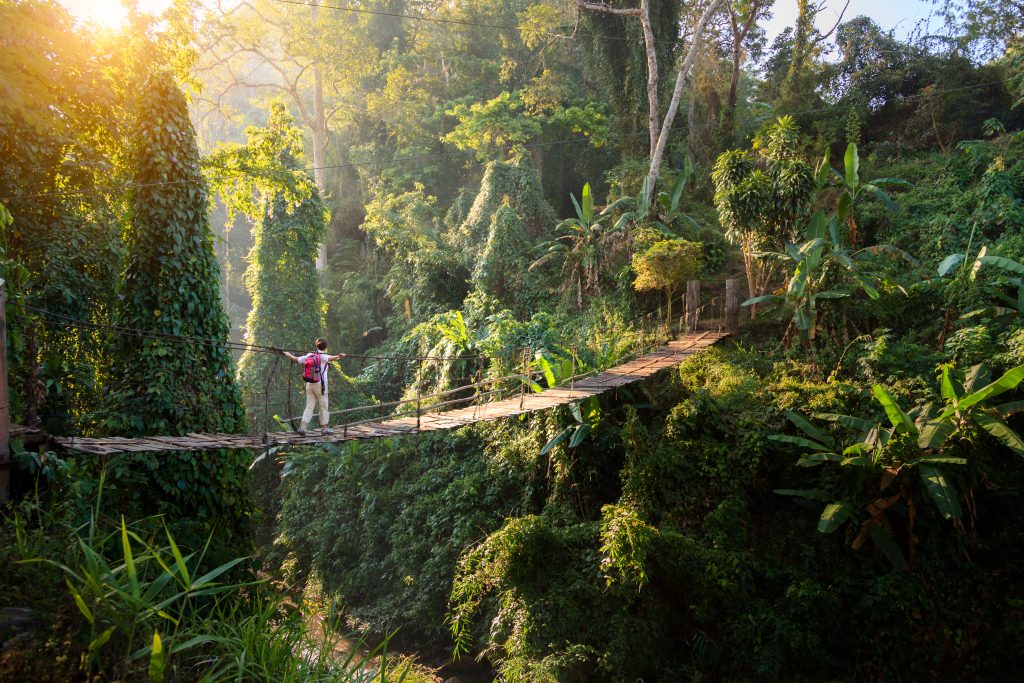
(646, 332)
(651, 334)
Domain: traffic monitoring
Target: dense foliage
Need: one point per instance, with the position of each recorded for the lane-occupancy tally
(459, 195)
(168, 385)
(263, 179)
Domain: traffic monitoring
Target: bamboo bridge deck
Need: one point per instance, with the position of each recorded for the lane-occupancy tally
(671, 354)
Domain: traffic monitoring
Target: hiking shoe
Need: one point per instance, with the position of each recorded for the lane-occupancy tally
(300, 432)
(326, 430)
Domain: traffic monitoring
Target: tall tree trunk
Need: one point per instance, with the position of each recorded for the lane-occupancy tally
(653, 110)
(791, 87)
(803, 43)
(734, 82)
(658, 129)
(739, 34)
(737, 61)
(677, 92)
(319, 129)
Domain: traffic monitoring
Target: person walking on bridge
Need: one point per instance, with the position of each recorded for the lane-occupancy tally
(315, 375)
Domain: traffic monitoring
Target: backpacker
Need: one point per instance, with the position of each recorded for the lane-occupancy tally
(311, 371)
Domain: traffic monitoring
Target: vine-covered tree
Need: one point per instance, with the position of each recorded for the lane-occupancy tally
(265, 181)
(502, 269)
(167, 384)
(518, 183)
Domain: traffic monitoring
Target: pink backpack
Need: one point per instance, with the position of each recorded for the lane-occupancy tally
(311, 371)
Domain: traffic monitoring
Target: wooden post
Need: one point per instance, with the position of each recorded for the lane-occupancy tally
(692, 304)
(732, 306)
(418, 380)
(5, 404)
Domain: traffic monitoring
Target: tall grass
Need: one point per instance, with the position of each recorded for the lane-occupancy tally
(151, 611)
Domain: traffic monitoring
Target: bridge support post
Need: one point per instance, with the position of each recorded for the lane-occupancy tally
(418, 379)
(5, 403)
(732, 306)
(692, 304)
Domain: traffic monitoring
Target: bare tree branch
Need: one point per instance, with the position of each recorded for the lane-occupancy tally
(608, 9)
(832, 30)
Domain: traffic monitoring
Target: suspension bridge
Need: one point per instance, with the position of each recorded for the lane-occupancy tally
(509, 396)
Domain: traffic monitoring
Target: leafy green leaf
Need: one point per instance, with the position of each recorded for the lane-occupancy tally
(1003, 264)
(950, 386)
(868, 287)
(101, 640)
(179, 560)
(588, 204)
(999, 429)
(846, 420)
(941, 491)
(804, 319)
(950, 263)
(559, 438)
(1009, 381)
(546, 368)
(899, 419)
(851, 163)
(935, 433)
(799, 441)
(217, 571)
(79, 602)
(129, 560)
(815, 459)
(580, 434)
(882, 197)
(884, 542)
(833, 516)
(767, 298)
(1010, 408)
(809, 429)
(816, 226)
(824, 170)
(977, 377)
(810, 494)
(157, 663)
(942, 460)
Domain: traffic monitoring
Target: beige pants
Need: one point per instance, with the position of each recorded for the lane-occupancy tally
(314, 396)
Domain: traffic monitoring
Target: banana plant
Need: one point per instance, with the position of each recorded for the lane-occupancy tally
(557, 366)
(581, 246)
(587, 416)
(814, 267)
(660, 214)
(926, 442)
(458, 345)
(1013, 305)
(956, 274)
(851, 187)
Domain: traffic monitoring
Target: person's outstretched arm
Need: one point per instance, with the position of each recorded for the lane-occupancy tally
(289, 356)
(336, 357)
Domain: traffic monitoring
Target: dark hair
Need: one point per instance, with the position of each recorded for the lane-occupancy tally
(321, 344)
